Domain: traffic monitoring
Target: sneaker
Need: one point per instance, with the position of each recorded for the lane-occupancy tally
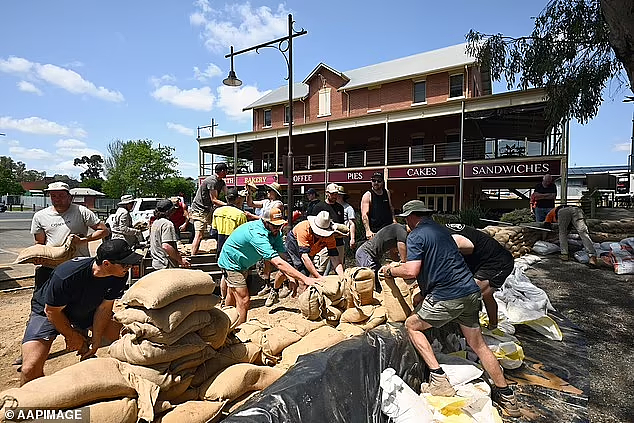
(273, 298)
(265, 290)
(593, 261)
(564, 257)
(507, 403)
(284, 292)
(438, 386)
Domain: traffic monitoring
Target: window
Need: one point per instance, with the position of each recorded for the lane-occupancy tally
(420, 92)
(452, 148)
(268, 162)
(287, 115)
(267, 118)
(418, 154)
(324, 102)
(456, 83)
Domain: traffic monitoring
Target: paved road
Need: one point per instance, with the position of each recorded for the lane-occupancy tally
(14, 234)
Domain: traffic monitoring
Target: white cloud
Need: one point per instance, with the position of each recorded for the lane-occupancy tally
(68, 167)
(15, 65)
(211, 71)
(29, 88)
(240, 25)
(181, 129)
(195, 98)
(232, 100)
(37, 125)
(61, 77)
(22, 153)
(625, 146)
(157, 81)
(70, 143)
(71, 147)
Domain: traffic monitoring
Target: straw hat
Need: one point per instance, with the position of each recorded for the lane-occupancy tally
(322, 224)
(126, 199)
(275, 187)
(58, 186)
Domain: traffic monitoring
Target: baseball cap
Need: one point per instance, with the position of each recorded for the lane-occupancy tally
(58, 186)
(414, 206)
(118, 251)
(232, 194)
(274, 216)
(311, 191)
(342, 190)
(164, 206)
(377, 175)
(332, 188)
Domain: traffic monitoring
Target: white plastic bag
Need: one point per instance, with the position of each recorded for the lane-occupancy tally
(582, 256)
(459, 370)
(544, 248)
(399, 402)
(520, 300)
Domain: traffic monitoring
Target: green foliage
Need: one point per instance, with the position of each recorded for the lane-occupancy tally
(173, 186)
(518, 216)
(568, 53)
(8, 182)
(96, 184)
(137, 168)
(472, 216)
(93, 166)
(72, 182)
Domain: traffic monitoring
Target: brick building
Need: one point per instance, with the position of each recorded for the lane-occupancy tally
(429, 122)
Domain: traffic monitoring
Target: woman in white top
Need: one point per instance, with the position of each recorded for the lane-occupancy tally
(273, 199)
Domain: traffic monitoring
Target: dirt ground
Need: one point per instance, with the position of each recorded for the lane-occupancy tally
(600, 302)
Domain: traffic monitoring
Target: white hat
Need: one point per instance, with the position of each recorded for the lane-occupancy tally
(58, 186)
(322, 224)
(332, 189)
(126, 199)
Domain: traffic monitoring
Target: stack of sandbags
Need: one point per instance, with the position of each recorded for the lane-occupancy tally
(397, 296)
(98, 383)
(207, 246)
(47, 255)
(517, 239)
(610, 230)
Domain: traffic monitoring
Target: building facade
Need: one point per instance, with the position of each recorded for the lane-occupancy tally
(429, 122)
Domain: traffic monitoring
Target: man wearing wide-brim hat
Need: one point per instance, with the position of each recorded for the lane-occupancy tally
(247, 244)
(308, 238)
(451, 295)
(121, 222)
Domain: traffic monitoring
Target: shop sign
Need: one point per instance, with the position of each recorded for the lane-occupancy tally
(352, 176)
(305, 178)
(513, 169)
(260, 179)
(422, 172)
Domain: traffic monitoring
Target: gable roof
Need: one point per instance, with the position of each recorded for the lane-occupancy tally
(323, 65)
(410, 66)
(86, 192)
(280, 96)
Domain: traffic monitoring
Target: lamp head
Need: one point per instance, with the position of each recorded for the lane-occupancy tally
(232, 80)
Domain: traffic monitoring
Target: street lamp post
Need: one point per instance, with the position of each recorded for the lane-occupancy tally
(284, 45)
(630, 163)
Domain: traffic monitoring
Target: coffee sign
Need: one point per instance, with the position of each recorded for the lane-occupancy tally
(305, 178)
(515, 169)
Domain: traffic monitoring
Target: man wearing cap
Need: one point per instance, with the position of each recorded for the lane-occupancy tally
(205, 201)
(163, 248)
(249, 243)
(78, 296)
(52, 225)
(121, 223)
(370, 253)
(227, 218)
(311, 195)
(179, 216)
(376, 207)
(348, 216)
(450, 294)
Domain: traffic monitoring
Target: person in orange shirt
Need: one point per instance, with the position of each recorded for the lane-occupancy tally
(303, 242)
(567, 216)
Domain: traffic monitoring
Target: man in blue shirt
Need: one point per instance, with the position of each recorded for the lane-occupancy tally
(249, 243)
(450, 294)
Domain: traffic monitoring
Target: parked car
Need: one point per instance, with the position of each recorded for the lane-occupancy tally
(3, 208)
(142, 210)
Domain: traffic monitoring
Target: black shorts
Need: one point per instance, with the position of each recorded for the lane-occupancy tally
(39, 327)
(496, 274)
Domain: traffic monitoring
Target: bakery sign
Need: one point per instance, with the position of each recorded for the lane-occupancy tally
(422, 172)
(513, 169)
(243, 180)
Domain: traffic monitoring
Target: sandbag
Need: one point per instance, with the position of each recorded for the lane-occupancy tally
(170, 316)
(82, 383)
(163, 287)
(361, 282)
(190, 394)
(332, 314)
(318, 339)
(276, 339)
(194, 412)
(331, 287)
(215, 333)
(251, 331)
(311, 303)
(350, 330)
(117, 411)
(397, 299)
(544, 248)
(238, 379)
(146, 353)
(300, 325)
(47, 255)
(192, 323)
(233, 315)
(378, 317)
(176, 390)
(247, 352)
(192, 361)
(354, 315)
(159, 375)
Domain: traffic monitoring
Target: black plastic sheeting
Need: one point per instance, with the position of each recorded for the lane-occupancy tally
(340, 384)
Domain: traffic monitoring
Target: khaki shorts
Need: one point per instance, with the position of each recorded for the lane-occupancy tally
(235, 279)
(464, 311)
(201, 221)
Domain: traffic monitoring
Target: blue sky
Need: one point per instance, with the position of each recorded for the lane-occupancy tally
(76, 75)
